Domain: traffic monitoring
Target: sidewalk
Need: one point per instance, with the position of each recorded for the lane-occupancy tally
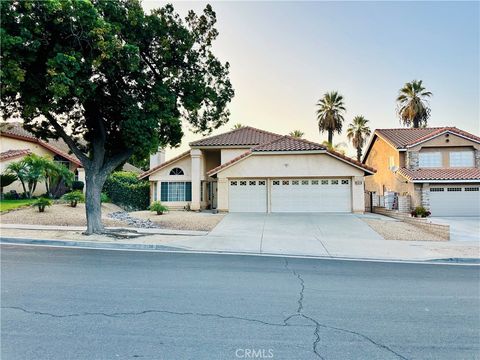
(173, 240)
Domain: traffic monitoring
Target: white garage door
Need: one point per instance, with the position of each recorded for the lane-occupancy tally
(248, 195)
(452, 200)
(311, 195)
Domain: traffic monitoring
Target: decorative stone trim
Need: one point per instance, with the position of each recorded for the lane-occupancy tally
(426, 196)
(477, 158)
(412, 160)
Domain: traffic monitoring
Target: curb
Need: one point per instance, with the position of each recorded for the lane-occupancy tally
(167, 249)
(145, 231)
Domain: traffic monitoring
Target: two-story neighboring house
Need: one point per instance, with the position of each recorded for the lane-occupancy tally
(252, 170)
(438, 167)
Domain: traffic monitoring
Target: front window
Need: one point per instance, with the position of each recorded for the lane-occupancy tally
(461, 159)
(430, 160)
(176, 191)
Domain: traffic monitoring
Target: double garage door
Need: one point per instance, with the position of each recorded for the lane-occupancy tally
(452, 200)
(290, 195)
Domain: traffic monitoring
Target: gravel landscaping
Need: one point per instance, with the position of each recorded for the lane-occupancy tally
(181, 220)
(398, 230)
(58, 214)
(112, 215)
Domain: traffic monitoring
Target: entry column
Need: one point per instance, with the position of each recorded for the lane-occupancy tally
(197, 169)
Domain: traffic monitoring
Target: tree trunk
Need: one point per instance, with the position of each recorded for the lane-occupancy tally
(330, 137)
(93, 206)
(359, 153)
(416, 123)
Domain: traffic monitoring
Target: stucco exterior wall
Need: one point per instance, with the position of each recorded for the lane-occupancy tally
(384, 179)
(164, 174)
(229, 154)
(441, 141)
(284, 166)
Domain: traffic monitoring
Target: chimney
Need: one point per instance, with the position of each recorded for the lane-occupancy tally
(157, 158)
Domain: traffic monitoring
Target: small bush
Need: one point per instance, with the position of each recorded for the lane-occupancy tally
(158, 207)
(78, 185)
(127, 191)
(41, 203)
(420, 211)
(11, 195)
(104, 198)
(74, 197)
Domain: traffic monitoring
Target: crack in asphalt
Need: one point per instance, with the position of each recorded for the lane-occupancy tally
(285, 323)
(319, 325)
(150, 311)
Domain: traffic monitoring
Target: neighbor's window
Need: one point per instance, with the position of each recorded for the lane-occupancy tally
(430, 159)
(176, 171)
(176, 191)
(461, 159)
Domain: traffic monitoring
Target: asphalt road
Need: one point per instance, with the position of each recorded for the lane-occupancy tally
(94, 304)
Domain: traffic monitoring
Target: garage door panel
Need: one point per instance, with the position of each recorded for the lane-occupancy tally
(311, 195)
(248, 195)
(455, 200)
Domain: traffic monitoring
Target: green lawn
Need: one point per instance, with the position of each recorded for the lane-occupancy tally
(6, 205)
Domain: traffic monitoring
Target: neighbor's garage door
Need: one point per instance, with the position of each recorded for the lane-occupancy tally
(248, 195)
(452, 200)
(311, 195)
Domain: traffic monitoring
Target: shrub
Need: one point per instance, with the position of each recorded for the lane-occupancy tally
(420, 211)
(158, 207)
(41, 203)
(74, 197)
(104, 198)
(127, 191)
(77, 185)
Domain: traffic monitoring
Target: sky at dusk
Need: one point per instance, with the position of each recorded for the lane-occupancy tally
(285, 55)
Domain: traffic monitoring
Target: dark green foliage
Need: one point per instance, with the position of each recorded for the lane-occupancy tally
(74, 197)
(120, 80)
(78, 185)
(127, 191)
(41, 203)
(6, 179)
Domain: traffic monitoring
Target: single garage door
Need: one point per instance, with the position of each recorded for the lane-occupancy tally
(249, 195)
(311, 195)
(455, 200)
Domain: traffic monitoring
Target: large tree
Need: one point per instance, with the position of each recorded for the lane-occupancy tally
(330, 114)
(110, 80)
(357, 132)
(412, 104)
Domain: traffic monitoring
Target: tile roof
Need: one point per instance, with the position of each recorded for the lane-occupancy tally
(404, 137)
(162, 165)
(11, 154)
(15, 130)
(441, 174)
(244, 136)
(288, 143)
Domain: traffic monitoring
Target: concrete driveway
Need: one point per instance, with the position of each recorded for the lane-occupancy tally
(461, 228)
(311, 234)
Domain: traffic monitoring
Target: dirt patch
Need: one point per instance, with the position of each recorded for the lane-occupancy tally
(181, 220)
(398, 230)
(58, 214)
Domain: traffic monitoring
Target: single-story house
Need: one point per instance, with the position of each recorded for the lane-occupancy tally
(439, 168)
(252, 170)
(16, 143)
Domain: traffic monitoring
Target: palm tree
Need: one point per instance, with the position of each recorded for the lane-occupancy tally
(19, 169)
(237, 126)
(297, 134)
(339, 147)
(412, 104)
(330, 114)
(358, 132)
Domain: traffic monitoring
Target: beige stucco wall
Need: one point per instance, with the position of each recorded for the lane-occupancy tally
(288, 165)
(164, 174)
(441, 141)
(229, 154)
(384, 178)
(7, 143)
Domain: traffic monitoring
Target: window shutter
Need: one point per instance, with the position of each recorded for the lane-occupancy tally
(188, 191)
(164, 191)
